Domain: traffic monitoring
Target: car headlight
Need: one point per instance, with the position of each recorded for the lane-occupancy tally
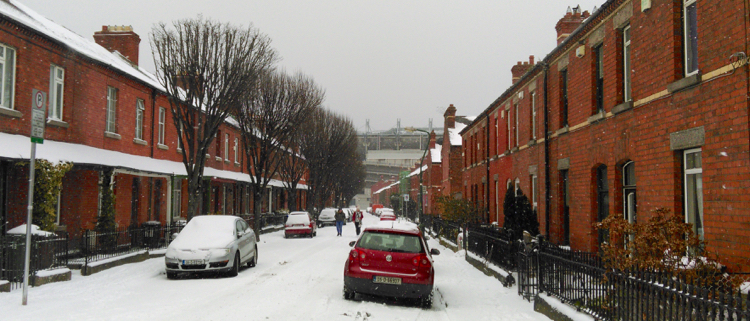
(171, 254)
(220, 252)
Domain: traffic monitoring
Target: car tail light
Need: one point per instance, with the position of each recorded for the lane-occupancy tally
(353, 256)
(421, 261)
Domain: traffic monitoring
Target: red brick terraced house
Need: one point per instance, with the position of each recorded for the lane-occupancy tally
(642, 105)
(109, 117)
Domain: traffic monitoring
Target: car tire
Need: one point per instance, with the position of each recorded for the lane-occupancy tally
(348, 294)
(254, 261)
(315, 233)
(235, 266)
(171, 275)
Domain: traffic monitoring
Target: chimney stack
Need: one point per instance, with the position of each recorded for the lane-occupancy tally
(121, 39)
(572, 19)
(432, 139)
(521, 68)
(450, 117)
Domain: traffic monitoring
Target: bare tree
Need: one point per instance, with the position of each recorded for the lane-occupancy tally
(206, 68)
(326, 142)
(267, 119)
(294, 166)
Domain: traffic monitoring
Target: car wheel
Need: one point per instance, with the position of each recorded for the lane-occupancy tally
(426, 301)
(348, 294)
(171, 275)
(315, 233)
(236, 266)
(254, 261)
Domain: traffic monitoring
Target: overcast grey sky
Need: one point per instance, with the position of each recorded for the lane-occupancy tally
(377, 59)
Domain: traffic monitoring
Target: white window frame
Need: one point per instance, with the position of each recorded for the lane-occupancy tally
(111, 109)
(686, 47)
(5, 73)
(516, 186)
(140, 110)
(162, 124)
(626, 68)
(56, 87)
(534, 202)
(533, 115)
(693, 171)
(177, 198)
(236, 150)
(515, 129)
(226, 147)
(179, 138)
(509, 136)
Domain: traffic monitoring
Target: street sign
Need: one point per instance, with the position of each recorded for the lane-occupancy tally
(38, 115)
(406, 197)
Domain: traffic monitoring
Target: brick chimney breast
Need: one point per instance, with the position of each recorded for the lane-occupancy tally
(121, 39)
(450, 117)
(572, 19)
(521, 68)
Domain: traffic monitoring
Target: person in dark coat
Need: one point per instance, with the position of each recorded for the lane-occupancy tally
(340, 217)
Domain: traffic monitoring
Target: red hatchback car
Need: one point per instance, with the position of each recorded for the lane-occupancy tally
(391, 259)
(300, 223)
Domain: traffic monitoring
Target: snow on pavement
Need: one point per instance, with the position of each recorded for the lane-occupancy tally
(295, 279)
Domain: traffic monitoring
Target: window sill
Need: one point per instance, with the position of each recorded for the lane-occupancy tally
(179, 150)
(236, 164)
(596, 117)
(10, 112)
(563, 130)
(217, 158)
(140, 141)
(162, 146)
(628, 105)
(112, 135)
(684, 83)
(57, 123)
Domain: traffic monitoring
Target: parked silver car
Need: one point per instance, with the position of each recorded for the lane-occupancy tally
(327, 217)
(212, 243)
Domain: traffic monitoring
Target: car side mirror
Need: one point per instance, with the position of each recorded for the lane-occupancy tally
(351, 244)
(240, 234)
(434, 252)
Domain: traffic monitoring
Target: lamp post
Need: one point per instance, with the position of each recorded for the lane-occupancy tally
(421, 162)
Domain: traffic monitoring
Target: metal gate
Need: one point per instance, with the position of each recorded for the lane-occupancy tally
(527, 265)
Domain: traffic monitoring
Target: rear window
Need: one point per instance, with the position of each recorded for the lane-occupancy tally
(328, 212)
(298, 219)
(390, 242)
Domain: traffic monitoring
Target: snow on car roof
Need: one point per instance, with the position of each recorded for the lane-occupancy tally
(398, 225)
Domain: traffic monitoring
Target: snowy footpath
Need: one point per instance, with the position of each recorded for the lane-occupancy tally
(295, 279)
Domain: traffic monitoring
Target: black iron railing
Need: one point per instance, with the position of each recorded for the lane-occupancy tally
(493, 245)
(47, 252)
(580, 279)
(448, 230)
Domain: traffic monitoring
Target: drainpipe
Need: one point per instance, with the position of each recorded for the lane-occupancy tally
(547, 182)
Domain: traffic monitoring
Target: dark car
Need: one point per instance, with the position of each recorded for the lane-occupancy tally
(390, 259)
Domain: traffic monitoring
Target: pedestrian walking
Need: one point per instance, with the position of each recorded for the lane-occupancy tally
(340, 217)
(358, 219)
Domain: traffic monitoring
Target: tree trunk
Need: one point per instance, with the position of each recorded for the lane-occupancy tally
(292, 199)
(194, 198)
(257, 198)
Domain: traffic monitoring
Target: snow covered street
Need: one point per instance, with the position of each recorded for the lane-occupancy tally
(295, 279)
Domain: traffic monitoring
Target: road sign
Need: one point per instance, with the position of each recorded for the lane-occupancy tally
(38, 115)
(406, 197)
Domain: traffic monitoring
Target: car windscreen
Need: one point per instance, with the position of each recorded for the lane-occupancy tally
(391, 242)
(298, 219)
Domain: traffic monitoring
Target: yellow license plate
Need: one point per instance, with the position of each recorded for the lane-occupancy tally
(386, 280)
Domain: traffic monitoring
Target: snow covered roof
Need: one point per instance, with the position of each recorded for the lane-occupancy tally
(18, 147)
(436, 153)
(454, 134)
(417, 171)
(385, 188)
(19, 13)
